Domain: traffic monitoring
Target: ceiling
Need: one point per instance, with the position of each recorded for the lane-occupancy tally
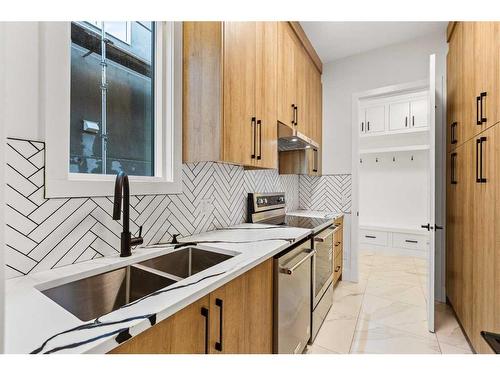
(335, 40)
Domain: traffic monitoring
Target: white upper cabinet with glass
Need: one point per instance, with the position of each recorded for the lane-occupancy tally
(124, 96)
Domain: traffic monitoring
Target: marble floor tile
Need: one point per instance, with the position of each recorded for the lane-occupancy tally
(397, 276)
(316, 349)
(337, 332)
(395, 314)
(406, 293)
(346, 301)
(448, 330)
(371, 337)
(450, 349)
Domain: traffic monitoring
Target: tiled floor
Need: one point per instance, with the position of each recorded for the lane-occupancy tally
(386, 312)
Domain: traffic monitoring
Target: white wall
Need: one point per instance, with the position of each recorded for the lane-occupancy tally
(399, 63)
(2, 178)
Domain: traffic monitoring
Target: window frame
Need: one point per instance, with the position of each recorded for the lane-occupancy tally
(55, 82)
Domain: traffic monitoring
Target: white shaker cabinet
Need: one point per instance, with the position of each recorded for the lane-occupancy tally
(419, 112)
(372, 119)
(399, 115)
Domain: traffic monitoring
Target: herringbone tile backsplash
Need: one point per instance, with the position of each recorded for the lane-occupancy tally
(47, 233)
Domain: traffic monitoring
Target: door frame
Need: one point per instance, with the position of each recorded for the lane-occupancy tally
(440, 166)
(2, 184)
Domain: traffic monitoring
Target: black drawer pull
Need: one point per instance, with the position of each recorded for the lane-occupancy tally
(205, 313)
(478, 119)
(483, 119)
(481, 178)
(218, 344)
(337, 269)
(478, 143)
(453, 139)
(453, 168)
(411, 241)
(337, 243)
(368, 236)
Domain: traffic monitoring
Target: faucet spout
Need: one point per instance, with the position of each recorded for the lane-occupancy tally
(122, 192)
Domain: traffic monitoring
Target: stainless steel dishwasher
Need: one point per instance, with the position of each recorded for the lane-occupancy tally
(292, 299)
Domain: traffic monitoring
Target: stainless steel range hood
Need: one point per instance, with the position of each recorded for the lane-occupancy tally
(290, 139)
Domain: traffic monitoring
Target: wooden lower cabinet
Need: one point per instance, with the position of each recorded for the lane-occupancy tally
(244, 308)
(338, 250)
(473, 235)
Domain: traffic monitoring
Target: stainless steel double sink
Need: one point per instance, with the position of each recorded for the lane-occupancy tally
(97, 295)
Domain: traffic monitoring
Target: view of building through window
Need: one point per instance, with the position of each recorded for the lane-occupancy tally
(112, 98)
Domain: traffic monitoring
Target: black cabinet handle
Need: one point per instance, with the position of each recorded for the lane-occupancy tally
(453, 168)
(453, 126)
(218, 344)
(367, 236)
(412, 120)
(315, 160)
(406, 121)
(205, 313)
(362, 127)
(296, 115)
(483, 119)
(481, 178)
(253, 137)
(259, 125)
(293, 114)
(478, 143)
(368, 126)
(337, 269)
(478, 120)
(427, 226)
(337, 243)
(411, 241)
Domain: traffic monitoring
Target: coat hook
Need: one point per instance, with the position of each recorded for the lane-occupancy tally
(376, 160)
(393, 158)
(360, 160)
(412, 158)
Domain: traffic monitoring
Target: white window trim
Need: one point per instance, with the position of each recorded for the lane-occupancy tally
(55, 58)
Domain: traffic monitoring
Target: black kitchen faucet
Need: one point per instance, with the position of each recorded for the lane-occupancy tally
(122, 188)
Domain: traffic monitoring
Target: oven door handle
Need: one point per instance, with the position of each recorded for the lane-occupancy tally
(328, 232)
(289, 270)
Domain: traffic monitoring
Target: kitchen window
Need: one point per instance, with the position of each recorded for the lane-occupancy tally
(120, 83)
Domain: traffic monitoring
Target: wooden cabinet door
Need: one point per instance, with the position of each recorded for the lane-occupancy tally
(239, 134)
(419, 113)
(227, 318)
(486, 59)
(470, 127)
(454, 96)
(399, 114)
(301, 77)
(484, 246)
(244, 308)
(287, 100)
(460, 221)
(375, 119)
(182, 333)
(259, 309)
(266, 94)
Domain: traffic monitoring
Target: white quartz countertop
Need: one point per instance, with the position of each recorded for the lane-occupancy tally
(32, 318)
(316, 214)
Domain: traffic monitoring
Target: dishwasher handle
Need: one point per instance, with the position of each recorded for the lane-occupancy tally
(289, 270)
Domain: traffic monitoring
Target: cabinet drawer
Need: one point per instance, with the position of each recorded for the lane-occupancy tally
(373, 237)
(409, 241)
(337, 267)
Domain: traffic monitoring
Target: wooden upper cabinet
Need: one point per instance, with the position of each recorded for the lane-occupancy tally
(302, 90)
(454, 98)
(230, 82)
(287, 86)
(266, 93)
(486, 59)
(240, 73)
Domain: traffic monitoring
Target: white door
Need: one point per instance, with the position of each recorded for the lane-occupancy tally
(399, 115)
(431, 226)
(375, 119)
(419, 113)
